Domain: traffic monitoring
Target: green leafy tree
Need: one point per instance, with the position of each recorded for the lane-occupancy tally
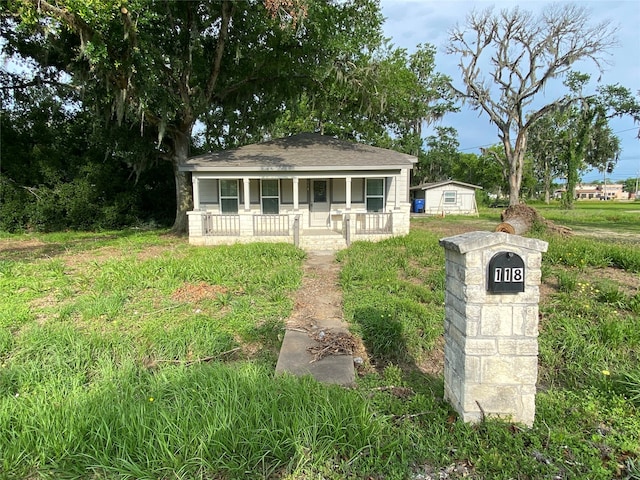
(441, 156)
(546, 150)
(60, 171)
(165, 65)
(632, 184)
(506, 61)
(570, 140)
(380, 96)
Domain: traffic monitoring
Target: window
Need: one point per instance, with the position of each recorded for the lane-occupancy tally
(229, 196)
(375, 194)
(450, 197)
(270, 197)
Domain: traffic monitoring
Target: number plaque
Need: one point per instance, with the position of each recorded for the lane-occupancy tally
(506, 273)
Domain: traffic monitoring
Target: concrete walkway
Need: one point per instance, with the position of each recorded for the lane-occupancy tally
(317, 317)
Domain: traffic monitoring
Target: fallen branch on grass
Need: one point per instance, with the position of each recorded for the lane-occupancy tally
(332, 344)
(149, 363)
(407, 416)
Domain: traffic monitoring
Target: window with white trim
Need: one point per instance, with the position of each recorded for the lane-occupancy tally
(374, 195)
(270, 197)
(228, 196)
(450, 197)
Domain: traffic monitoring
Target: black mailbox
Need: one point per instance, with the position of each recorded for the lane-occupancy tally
(506, 273)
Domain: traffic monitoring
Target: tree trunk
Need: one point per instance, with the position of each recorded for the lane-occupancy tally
(518, 219)
(514, 190)
(184, 189)
(547, 183)
(514, 226)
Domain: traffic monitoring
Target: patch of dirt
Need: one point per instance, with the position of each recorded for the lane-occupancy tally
(319, 295)
(11, 249)
(599, 233)
(75, 262)
(197, 292)
(444, 228)
(433, 363)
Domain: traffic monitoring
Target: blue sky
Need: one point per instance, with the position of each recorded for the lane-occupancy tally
(413, 22)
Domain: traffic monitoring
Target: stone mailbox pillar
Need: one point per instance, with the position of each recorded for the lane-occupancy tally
(491, 325)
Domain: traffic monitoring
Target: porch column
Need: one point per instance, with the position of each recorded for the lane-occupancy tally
(296, 194)
(348, 192)
(247, 193)
(195, 183)
(396, 193)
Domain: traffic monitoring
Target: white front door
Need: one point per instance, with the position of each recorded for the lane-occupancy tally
(319, 206)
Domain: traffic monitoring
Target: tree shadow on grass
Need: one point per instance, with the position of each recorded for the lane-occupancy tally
(385, 338)
(29, 249)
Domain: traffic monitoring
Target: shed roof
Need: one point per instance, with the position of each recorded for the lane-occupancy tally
(305, 151)
(429, 186)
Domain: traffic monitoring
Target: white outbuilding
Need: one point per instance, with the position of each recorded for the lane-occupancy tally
(443, 198)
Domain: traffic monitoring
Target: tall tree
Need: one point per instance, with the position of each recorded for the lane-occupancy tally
(440, 158)
(547, 150)
(166, 64)
(520, 53)
(570, 140)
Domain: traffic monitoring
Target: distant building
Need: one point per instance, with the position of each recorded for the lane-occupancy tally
(610, 191)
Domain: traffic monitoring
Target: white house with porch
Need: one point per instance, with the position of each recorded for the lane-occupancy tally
(311, 190)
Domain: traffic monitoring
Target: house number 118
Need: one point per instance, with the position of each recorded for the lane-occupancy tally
(507, 274)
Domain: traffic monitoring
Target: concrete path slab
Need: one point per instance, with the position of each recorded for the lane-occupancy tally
(296, 359)
(318, 308)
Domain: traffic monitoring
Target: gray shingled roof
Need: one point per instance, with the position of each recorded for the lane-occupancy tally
(306, 151)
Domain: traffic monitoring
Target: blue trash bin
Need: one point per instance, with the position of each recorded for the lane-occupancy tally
(418, 205)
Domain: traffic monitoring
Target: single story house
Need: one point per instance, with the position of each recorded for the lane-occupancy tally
(448, 197)
(312, 190)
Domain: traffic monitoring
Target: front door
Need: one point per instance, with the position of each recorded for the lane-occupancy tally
(319, 207)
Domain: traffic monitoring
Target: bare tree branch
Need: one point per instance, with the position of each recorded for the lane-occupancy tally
(521, 53)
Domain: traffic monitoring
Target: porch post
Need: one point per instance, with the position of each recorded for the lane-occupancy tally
(396, 193)
(296, 194)
(348, 192)
(195, 183)
(247, 193)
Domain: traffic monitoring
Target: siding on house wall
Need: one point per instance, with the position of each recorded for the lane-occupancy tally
(464, 201)
(394, 185)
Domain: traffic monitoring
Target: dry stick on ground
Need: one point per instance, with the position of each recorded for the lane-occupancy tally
(199, 360)
(406, 416)
(332, 344)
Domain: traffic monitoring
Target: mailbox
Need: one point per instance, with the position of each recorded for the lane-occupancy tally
(506, 273)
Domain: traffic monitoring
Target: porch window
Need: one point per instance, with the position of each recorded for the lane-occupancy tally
(270, 197)
(375, 194)
(450, 197)
(229, 196)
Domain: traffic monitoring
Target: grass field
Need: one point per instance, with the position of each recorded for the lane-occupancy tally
(134, 355)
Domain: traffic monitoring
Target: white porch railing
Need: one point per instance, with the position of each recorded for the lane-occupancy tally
(221, 225)
(374, 223)
(271, 225)
(225, 225)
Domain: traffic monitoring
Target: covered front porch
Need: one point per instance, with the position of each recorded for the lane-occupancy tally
(312, 213)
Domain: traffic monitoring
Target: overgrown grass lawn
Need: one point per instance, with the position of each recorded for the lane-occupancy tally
(135, 355)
